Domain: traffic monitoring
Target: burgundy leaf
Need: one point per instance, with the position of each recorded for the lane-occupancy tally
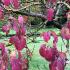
(2, 46)
(15, 63)
(19, 43)
(50, 14)
(4, 58)
(6, 28)
(46, 36)
(6, 2)
(1, 14)
(42, 50)
(48, 53)
(65, 33)
(16, 4)
(20, 19)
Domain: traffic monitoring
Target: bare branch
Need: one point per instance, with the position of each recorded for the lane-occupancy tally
(64, 4)
(23, 7)
(30, 14)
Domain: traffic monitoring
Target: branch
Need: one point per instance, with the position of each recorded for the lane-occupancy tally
(18, 11)
(30, 14)
(64, 4)
(27, 13)
(23, 7)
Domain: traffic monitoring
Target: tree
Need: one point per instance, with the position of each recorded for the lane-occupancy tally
(12, 12)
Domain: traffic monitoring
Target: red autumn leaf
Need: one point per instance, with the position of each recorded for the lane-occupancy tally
(20, 19)
(6, 28)
(46, 36)
(42, 50)
(51, 53)
(16, 4)
(20, 62)
(15, 63)
(19, 42)
(2, 46)
(1, 14)
(48, 53)
(6, 2)
(59, 63)
(4, 57)
(56, 65)
(50, 14)
(15, 26)
(65, 33)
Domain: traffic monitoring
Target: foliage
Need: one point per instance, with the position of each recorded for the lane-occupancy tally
(11, 12)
